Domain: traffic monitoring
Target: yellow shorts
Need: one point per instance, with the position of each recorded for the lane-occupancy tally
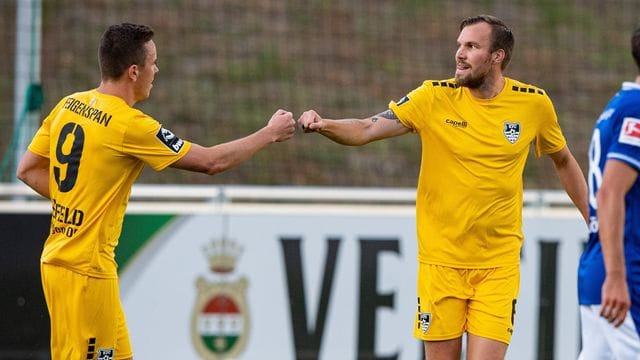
(452, 301)
(87, 321)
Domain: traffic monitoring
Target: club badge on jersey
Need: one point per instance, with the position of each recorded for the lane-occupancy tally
(511, 131)
(105, 354)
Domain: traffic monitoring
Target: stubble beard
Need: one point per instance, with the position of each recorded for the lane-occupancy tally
(470, 81)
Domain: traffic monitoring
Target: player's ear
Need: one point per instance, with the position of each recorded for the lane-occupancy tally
(497, 56)
(132, 72)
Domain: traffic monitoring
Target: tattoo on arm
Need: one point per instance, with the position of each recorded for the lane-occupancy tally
(387, 114)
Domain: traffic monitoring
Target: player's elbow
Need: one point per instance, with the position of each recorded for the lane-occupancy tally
(22, 174)
(215, 166)
(604, 196)
(353, 141)
(203, 166)
(214, 170)
(207, 161)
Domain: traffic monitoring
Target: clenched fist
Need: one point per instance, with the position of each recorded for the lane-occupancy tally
(310, 121)
(282, 125)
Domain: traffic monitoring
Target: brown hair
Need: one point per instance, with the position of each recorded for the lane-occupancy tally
(122, 46)
(501, 35)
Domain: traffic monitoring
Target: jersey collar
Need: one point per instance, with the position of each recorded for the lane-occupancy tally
(629, 85)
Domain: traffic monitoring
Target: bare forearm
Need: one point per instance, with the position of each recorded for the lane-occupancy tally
(225, 156)
(216, 159)
(354, 132)
(346, 131)
(574, 184)
(611, 215)
(617, 179)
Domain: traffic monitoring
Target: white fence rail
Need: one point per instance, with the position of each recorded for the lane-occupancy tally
(20, 193)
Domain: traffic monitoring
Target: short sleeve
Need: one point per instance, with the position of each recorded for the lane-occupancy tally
(626, 146)
(411, 108)
(549, 139)
(40, 144)
(147, 140)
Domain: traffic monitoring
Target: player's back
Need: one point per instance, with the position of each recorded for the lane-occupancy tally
(91, 180)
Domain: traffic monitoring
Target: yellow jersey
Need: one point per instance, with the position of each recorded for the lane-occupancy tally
(469, 197)
(97, 145)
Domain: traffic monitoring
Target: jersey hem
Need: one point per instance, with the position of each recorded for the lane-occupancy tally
(553, 150)
(79, 271)
(37, 152)
(466, 265)
(185, 150)
(437, 337)
(491, 337)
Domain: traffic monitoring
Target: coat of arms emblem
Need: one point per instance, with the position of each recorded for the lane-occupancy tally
(220, 321)
(511, 131)
(424, 321)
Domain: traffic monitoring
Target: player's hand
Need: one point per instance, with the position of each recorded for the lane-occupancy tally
(615, 299)
(310, 121)
(282, 125)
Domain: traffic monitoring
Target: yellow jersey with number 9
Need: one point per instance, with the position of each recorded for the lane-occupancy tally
(97, 146)
(469, 198)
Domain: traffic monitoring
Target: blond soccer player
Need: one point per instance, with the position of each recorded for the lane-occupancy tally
(476, 131)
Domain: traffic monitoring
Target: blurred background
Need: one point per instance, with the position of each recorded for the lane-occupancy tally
(227, 65)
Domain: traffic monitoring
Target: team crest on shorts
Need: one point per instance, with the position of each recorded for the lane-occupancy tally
(511, 131)
(105, 354)
(425, 321)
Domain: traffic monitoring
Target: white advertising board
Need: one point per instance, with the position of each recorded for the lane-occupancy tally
(325, 282)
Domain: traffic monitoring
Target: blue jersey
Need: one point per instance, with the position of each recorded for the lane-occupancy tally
(616, 136)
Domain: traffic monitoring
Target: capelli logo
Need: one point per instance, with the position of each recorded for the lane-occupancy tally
(455, 123)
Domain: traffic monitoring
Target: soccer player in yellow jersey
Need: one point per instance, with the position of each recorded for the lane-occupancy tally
(85, 157)
(476, 130)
